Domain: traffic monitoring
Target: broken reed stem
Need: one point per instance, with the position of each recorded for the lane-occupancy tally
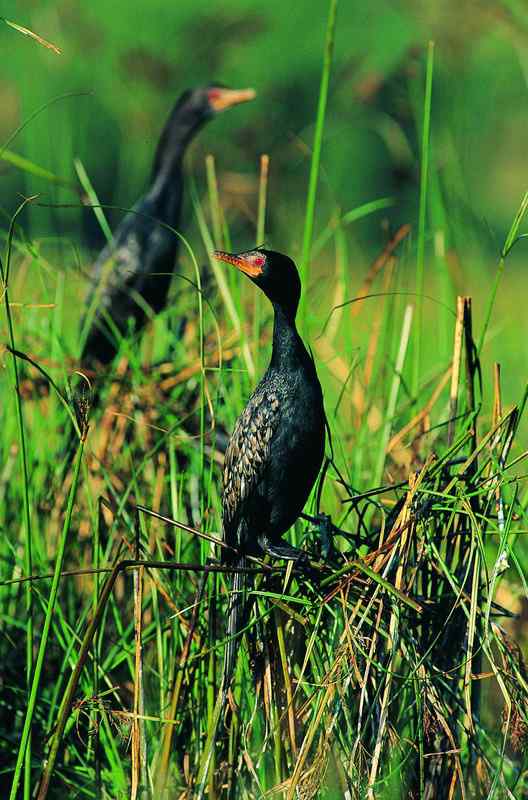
(262, 199)
(497, 414)
(455, 374)
(471, 364)
(497, 395)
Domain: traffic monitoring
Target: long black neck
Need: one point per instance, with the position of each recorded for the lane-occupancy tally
(167, 171)
(288, 347)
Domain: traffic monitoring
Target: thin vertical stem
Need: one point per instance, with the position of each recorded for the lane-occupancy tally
(262, 198)
(93, 199)
(455, 372)
(178, 677)
(511, 238)
(97, 643)
(316, 154)
(211, 677)
(139, 782)
(59, 559)
(422, 214)
(393, 396)
(214, 201)
(28, 549)
(261, 235)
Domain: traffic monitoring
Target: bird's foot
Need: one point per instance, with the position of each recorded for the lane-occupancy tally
(286, 552)
(304, 562)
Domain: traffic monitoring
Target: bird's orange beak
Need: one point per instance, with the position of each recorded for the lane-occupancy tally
(251, 264)
(220, 99)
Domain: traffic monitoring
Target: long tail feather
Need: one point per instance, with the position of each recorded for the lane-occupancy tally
(234, 623)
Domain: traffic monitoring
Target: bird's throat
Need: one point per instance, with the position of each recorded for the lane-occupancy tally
(288, 347)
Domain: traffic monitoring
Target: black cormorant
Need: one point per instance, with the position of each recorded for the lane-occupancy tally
(132, 274)
(275, 452)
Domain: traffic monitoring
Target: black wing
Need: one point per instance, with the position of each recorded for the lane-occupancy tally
(132, 273)
(246, 458)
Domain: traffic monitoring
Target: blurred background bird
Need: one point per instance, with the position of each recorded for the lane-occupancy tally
(131, 278)
(132, 275)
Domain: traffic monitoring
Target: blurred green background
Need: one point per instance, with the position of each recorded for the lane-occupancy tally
(135, 58)
(132, 60)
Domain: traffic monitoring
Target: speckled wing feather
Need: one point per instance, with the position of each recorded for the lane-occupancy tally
(115, 269)
(246, 457)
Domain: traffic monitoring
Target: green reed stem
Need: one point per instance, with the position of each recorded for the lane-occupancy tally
(28, 549)
(93, 199)
(424, 176)
(511, 239)
(316, 154)
(214, 201)
(59, 560)
(261, 235)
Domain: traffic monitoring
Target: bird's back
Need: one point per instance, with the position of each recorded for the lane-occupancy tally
(274, 455)
(131, 275)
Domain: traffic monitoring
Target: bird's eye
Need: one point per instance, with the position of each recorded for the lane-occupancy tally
(257, 260)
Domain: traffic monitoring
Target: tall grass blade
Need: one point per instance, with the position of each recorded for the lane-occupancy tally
(393, 396)
(52, 599)
(422, 216)
(511, 239)
(261, 236)
(93, 199)
(214, 202)
(316, 154)
(28, 543)
(36, 170)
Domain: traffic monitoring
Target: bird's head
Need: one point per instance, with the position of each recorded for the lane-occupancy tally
(194, 108)
(206, 101)
(275, 273)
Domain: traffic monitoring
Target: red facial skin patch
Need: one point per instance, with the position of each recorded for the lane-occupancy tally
(251, 264)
